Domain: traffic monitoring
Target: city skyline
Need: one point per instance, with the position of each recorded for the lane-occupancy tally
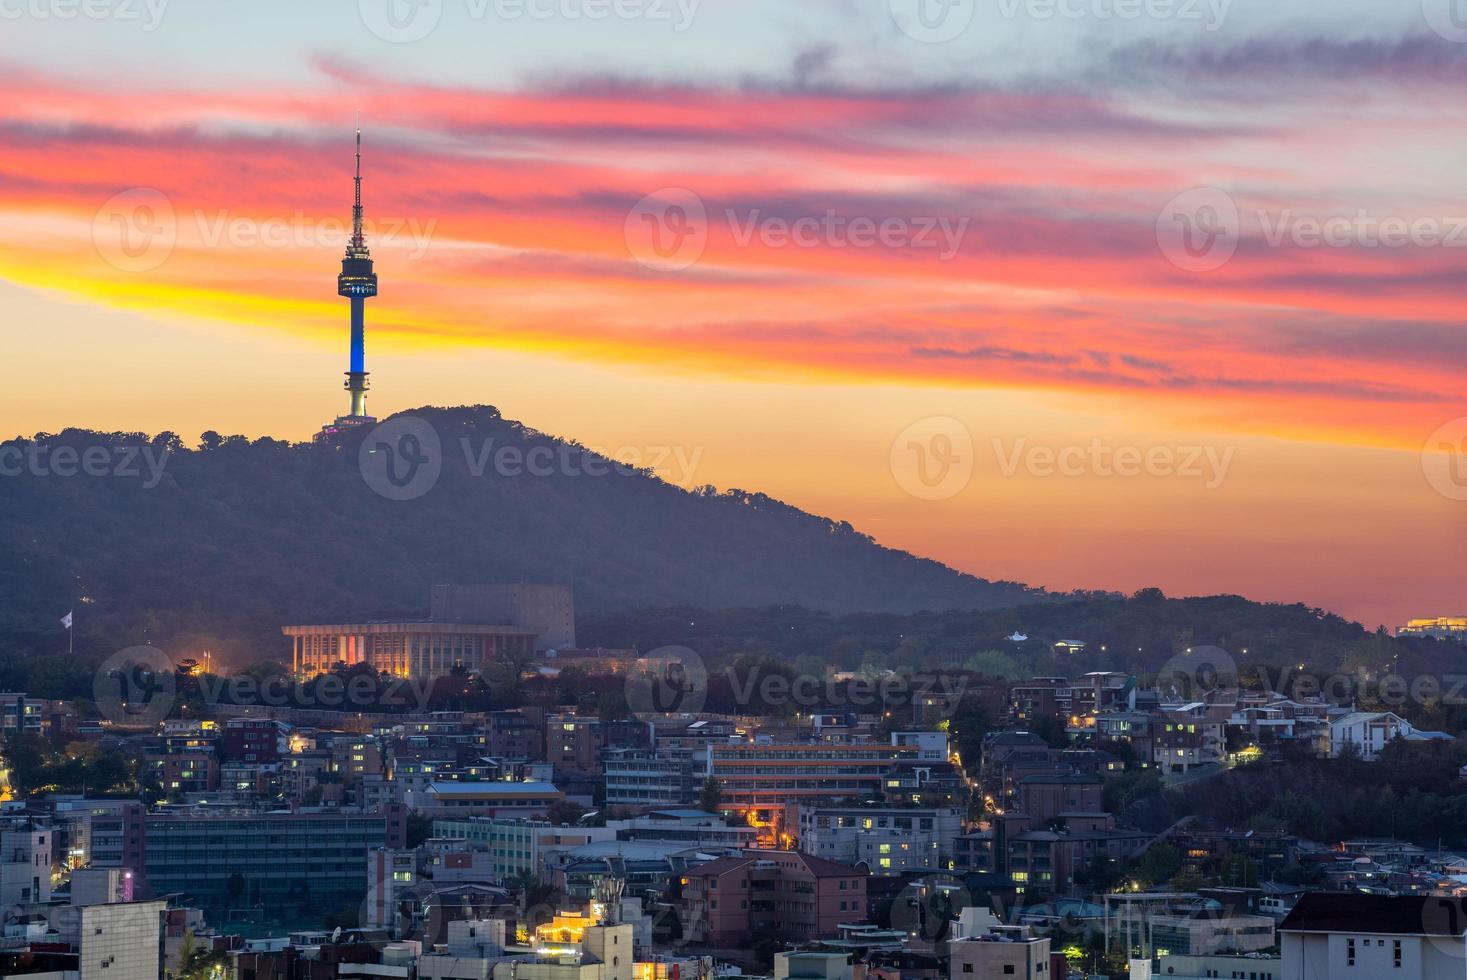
(733, 490)
(1029, 290)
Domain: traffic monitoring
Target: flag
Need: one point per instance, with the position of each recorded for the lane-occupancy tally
(66, 620)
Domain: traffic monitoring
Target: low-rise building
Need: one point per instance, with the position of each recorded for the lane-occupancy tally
(887, 840)
(811, 964)
(1368, 732)
(25, 861)
(489, 799)
(1004, 951)
(516, 847)
(1251, 966)
(1374, 936)
(733, 900)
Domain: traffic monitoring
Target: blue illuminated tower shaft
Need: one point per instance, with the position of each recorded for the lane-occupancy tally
(358, 283)
(358, 372)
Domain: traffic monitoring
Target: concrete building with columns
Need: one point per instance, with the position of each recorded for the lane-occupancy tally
(420, 651)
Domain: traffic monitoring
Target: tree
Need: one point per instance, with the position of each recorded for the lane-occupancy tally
(1102, 874)
(198, 962)
(612, 705)
(1051, 729)
(710, 799)
(1160, 863)
(1125, 788)
(1300, 874)
(564, 812)
(995, 664)
(419, 829)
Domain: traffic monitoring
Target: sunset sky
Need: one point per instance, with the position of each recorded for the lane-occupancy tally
(1005, 254)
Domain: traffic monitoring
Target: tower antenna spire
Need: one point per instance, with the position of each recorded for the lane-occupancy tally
(357, 239)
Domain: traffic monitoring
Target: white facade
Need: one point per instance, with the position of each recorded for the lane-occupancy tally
(1004, 952)
(888, 840)
(1372, 956)
(932, 746)
(25, 864)
(1369, 731)
(120, 942)
(1258, 967)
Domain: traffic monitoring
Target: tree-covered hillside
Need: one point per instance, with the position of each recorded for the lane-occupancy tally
(234, 538)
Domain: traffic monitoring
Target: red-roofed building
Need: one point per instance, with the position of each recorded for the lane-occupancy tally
(785, 894)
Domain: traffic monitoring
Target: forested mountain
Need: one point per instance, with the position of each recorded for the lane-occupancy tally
(220, 544)
(1137, 634)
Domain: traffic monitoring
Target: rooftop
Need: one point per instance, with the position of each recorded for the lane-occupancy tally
(1392, 915)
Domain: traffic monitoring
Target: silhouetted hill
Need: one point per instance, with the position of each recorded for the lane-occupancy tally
(1136, 634)
(238, 537)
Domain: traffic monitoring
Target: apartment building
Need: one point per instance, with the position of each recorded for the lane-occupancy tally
(1065, 699)
(786, 894)
(1186, 736)
(254, 740)
(1047, 861)
(887, 840)
(25, 861)
(643, 778)
(760, 778)
(518, 734)
(190, 771)
(21, 714)
(573, 744)
(1045, 796)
